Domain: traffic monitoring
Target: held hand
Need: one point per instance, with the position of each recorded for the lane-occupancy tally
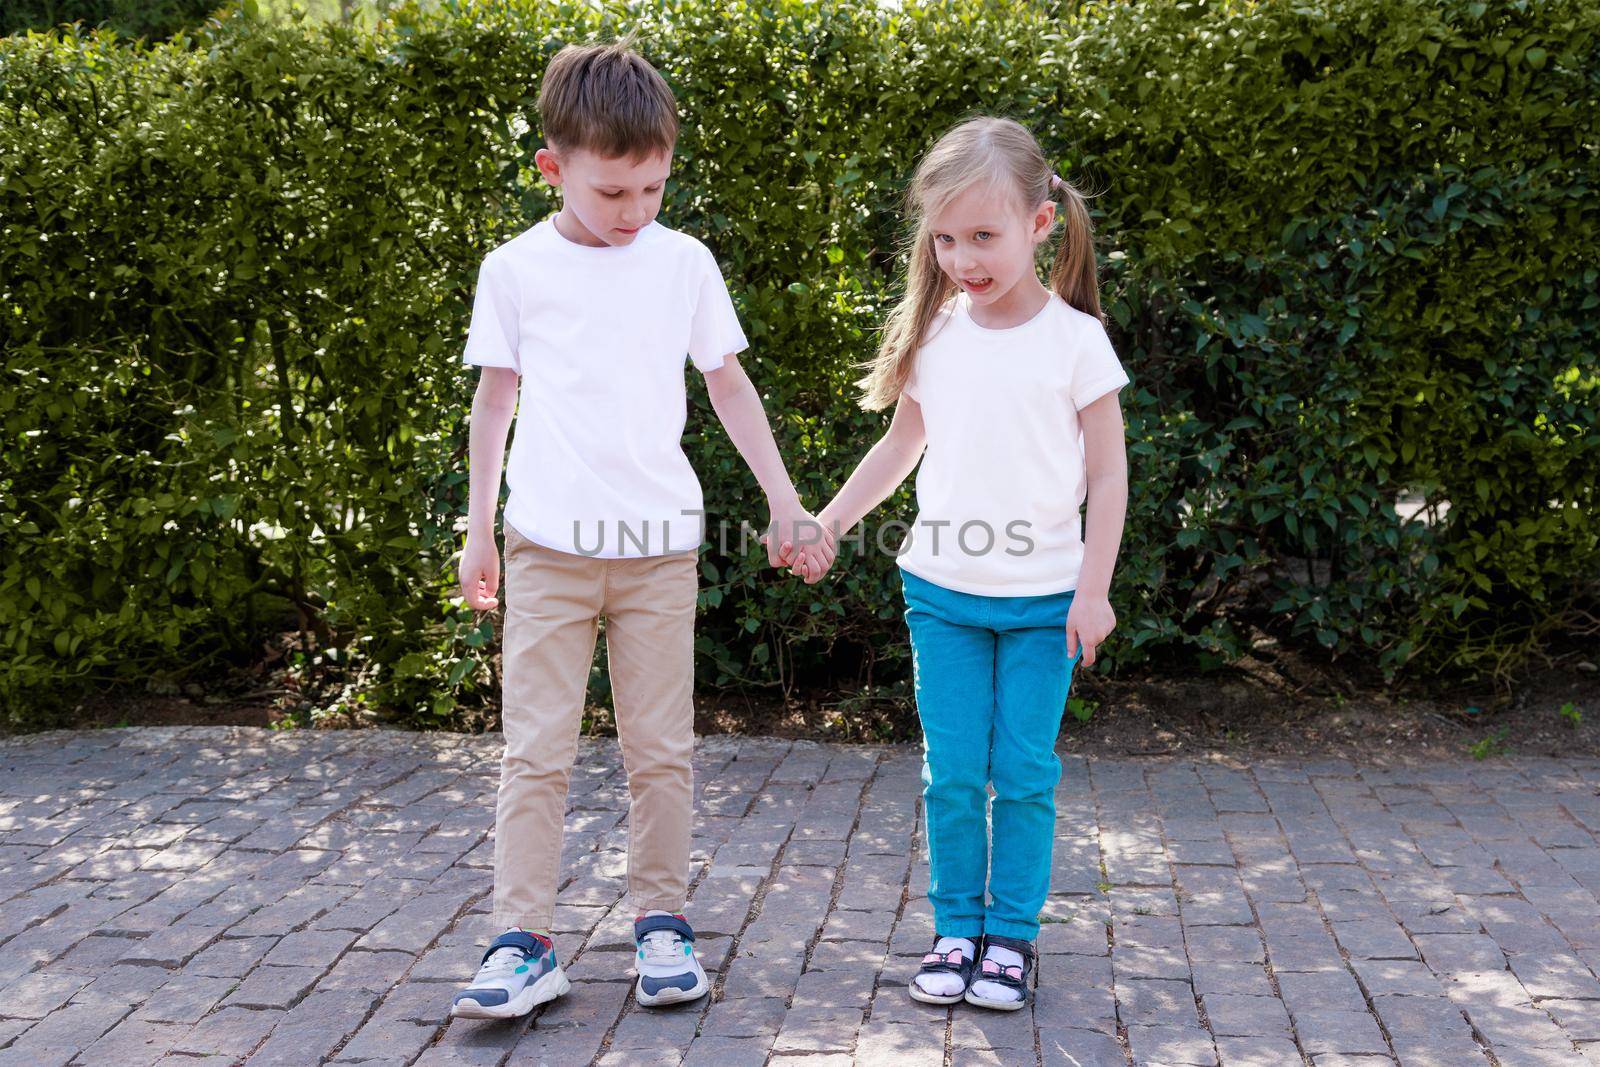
(1090, 621)
(810, 561)
(796, 540)
(480, 573)
(781, 522)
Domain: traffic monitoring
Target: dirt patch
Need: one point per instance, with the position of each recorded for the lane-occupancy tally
(1556, 713)
(1239, 712)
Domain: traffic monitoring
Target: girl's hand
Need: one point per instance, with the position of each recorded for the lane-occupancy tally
(809, 562)
(1090, 621)
(480, 572)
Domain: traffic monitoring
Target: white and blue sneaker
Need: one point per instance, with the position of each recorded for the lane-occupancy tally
(519, 972)
(668, 970)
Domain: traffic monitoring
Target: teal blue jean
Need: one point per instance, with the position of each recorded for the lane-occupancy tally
(992, 675)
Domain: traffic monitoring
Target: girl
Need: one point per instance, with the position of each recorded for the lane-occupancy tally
(1011, 388)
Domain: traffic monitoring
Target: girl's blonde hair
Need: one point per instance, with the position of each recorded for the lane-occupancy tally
(1003, 154)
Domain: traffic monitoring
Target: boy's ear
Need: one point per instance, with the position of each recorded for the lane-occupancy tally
(549, 165)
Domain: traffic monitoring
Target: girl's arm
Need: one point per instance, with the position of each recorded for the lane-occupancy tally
(493, 407)
(893, 458)
(1090, 619)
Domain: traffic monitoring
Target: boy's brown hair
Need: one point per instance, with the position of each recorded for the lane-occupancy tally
(606, 99)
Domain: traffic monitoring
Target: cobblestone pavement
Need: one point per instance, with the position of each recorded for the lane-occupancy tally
(230, 895)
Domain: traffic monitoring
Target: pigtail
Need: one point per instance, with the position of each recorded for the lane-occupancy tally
(1075, 276)
(927, 289)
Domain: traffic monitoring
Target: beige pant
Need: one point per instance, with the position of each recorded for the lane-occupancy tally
(553, 603)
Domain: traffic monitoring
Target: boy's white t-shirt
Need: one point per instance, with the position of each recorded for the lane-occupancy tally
(599, 337)
(1002, 479)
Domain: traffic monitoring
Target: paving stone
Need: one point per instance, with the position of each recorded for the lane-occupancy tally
(899, 1045)
(1246, 1016)
(80, 1023)
(310, 948)
(1157, 1002)
(1397, 978)
(1235, 979)
(1171, 1045)
(1224, 944)
(388, 1041)
(1321, 990)
(728, 1052)
(1064, 1047)
(1256, 1052)
(274, 987)
(229, 1032)
(1439, 1050)
(134, 1044)
(818, 1029)
(1326, 1032)
(36, 995)
(1012, 1030)
(744, 1017)
(25, 1055)
(1374, 939)
(230, 957)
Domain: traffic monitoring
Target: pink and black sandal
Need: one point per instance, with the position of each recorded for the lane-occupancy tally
(954, 962)
(1011, 977)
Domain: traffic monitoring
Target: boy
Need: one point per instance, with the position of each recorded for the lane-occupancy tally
(592, 314)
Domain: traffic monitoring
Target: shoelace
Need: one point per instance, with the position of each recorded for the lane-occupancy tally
(503, 962)
(662, 946)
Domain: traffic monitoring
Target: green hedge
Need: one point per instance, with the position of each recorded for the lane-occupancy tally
(155, 20)
(1349, 256)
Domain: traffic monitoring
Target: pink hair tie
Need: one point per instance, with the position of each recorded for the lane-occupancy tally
(1057, 182)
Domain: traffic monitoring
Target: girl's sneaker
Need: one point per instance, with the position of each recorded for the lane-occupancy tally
(957, 961)
(1014, 978)
(519, 972)
(668, 970)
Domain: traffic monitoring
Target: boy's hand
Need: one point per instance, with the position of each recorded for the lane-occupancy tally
(1090, 621)
(795, 539)
(480, 572)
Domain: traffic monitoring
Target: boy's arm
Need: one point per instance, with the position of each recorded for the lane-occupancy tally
(888, 464)
(738, 406)
(494, 405)
(1090, 619)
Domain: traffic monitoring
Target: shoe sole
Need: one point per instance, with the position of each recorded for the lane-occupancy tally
(925, 997)
(671, 996)
(996, 1005)
(543, 991)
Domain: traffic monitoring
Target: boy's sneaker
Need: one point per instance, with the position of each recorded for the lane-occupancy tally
(668, 970)
(519, 972)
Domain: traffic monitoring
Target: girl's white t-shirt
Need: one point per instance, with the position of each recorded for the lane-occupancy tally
(1002, 481)
(600, 337)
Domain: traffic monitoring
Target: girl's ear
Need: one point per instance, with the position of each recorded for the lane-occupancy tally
(549, 165)
(1044, 221)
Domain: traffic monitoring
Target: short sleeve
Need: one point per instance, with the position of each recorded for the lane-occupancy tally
(715, 331)
(911, 388)
(496, 317)
(1096, 370)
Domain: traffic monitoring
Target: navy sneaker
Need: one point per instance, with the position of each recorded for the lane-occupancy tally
(668, 970)
(519, 972)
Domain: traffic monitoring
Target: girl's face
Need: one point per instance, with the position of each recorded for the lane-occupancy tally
(985, 243)
(610, 199)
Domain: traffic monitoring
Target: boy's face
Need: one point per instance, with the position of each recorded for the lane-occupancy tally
(605, 200)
